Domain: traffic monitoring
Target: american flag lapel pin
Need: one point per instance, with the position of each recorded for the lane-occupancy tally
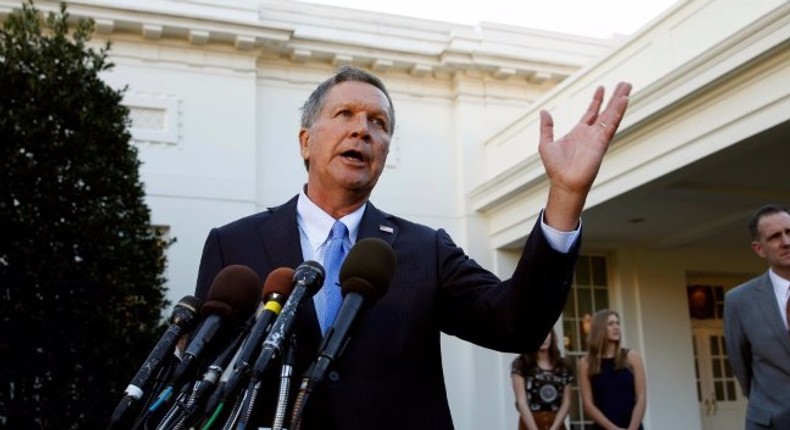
(386, 229)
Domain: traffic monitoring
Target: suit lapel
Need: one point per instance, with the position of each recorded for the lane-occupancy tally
(376, 223)
(766, 301)
(282, 245)
(280, 236)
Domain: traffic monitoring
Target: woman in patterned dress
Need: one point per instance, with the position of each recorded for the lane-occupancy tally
(541, 384)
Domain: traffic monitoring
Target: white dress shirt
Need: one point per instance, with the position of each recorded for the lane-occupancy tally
(782, 292)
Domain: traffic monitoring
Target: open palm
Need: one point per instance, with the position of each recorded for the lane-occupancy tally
(572, 161)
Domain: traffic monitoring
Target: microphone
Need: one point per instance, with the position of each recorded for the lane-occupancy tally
(182, 319)
(231, 297)
(307, 280)
(276, 290)
(364, 278)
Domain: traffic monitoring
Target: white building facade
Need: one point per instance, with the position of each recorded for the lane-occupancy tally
(215, 88)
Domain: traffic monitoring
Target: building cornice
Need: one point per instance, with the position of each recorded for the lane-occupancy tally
(313, 33)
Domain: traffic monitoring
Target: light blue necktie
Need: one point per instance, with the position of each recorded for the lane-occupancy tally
(333, 258)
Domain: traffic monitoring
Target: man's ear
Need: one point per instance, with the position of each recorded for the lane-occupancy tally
(304, 140)
(757, 247)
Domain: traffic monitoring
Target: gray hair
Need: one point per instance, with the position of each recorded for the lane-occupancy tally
(312, 107)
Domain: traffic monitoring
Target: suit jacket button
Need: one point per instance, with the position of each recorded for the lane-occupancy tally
(334, 376)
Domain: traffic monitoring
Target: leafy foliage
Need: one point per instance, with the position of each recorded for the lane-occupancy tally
(81, 270)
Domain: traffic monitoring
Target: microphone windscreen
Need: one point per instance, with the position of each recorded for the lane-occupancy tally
(311, 275)
(185, 310)
(216, 307)
(237, 286)
(279, 281)
(368, 268)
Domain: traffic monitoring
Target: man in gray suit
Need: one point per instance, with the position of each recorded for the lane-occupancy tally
(756, 324)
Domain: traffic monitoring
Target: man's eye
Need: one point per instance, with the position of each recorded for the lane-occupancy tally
(380, 123)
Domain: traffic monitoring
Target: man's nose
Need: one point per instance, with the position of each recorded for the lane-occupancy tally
(361, 128)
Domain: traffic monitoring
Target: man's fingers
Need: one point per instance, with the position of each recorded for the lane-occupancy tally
(622, 91)
(591, 114)
(610, 118)
(546, 127)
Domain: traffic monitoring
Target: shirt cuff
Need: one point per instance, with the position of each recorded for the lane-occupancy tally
(560, 241)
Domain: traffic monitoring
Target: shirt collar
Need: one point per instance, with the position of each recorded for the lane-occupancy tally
(780, 284)
(317, 224)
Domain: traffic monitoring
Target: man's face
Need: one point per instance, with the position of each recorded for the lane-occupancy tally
(773, 241)
(347, 145)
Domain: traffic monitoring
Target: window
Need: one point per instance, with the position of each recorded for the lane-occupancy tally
(589, 293)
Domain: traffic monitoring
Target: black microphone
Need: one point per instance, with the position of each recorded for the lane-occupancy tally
(364, 278)
(231, 367)
(232, 297)
(182, 320)
(308, 278)
(276, 290)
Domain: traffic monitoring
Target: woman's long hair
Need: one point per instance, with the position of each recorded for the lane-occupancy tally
(596, 342)
(531, 359)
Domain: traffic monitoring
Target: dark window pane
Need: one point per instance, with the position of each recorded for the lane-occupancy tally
(717, 373)
(584, 296)
(583, 271)
(731, 391)
(601, 296)
(599, 271)
(719, 391)
(714, 345)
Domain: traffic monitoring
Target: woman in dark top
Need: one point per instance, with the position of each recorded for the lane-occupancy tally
(611, 378)
(541, 384)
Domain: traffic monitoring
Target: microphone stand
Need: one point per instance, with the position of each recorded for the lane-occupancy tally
(285, 385)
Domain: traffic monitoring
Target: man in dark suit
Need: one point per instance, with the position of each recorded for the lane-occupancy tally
(756, 325)
(390, 374)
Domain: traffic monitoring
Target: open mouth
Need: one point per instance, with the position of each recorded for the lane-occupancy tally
(354, 156)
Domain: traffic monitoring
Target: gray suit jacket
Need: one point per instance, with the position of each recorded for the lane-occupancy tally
(758, 347)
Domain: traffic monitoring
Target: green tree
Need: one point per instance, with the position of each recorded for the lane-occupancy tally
(81, 270)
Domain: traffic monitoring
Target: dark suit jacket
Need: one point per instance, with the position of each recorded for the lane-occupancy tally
(390, 374)
(758, 349)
